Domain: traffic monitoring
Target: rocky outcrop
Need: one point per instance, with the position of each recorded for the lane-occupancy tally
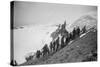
(61, 30)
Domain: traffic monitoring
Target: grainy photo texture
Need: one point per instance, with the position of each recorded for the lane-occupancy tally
(50, 33)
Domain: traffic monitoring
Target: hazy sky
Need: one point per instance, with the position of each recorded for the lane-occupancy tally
(33, 13)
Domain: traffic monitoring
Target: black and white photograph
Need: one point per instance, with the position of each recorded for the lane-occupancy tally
(53, 33)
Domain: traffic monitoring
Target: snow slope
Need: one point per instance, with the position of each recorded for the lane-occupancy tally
(89, 19)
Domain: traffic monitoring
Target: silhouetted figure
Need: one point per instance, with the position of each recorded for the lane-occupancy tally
(29, 58)
(51, 47)
(57, 42)
(62, 42)
(78, 31)
(74, 34)
(54, 44)
(84, 29)
(45, 50)
(70, 36)
(38, 53)
(67, 40)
